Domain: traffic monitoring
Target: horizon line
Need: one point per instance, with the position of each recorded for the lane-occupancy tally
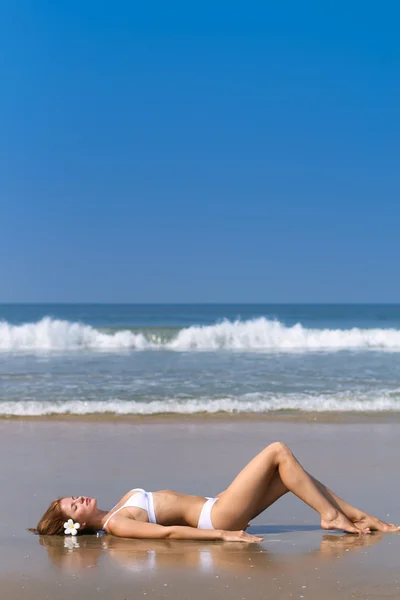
(88, 303)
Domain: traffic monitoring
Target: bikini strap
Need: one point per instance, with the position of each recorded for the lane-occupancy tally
(151, 511)
(111, 516)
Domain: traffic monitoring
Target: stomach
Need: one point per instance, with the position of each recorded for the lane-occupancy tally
(173, 508)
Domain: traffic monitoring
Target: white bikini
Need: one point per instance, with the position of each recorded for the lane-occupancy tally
(139, 499)
(142, 499)
(205, 515)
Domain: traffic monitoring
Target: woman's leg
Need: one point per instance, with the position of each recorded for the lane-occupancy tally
(246, 495)
(359, 518)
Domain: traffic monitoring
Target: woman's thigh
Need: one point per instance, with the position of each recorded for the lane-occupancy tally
(252, 491)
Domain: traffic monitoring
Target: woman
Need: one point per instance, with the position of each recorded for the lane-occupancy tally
(170, 515)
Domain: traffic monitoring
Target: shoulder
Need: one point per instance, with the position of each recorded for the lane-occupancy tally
(120, 504)
(115, 520)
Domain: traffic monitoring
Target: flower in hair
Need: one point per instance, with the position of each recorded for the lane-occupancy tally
(71, 527)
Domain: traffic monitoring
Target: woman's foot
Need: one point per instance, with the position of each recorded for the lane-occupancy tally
(336, 520)
(375, 524)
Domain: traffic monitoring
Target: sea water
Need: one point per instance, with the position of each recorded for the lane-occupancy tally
(189, 359)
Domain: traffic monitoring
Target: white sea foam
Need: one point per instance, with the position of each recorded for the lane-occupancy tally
(257, 334)
(247, 403)
(50, 334)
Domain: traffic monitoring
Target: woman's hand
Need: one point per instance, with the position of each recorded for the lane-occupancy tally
(240, 536)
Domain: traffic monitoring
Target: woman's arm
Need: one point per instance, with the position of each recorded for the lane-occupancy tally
(125, 527)
(129, 528)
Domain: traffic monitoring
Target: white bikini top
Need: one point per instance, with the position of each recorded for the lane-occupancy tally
(139, 499)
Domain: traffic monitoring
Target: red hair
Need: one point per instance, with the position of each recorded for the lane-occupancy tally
(52, 522)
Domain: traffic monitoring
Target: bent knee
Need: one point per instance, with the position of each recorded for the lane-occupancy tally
(279, 449)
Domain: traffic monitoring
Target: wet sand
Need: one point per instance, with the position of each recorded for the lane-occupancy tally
(292, 416)
(43, 459)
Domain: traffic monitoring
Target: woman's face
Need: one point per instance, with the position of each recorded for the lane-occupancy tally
(78, 508)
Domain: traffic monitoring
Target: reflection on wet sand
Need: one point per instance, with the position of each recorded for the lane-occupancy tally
(336, 546)
(144, 556)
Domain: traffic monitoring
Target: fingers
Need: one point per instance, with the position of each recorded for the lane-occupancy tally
(241, 536)
(247, 537)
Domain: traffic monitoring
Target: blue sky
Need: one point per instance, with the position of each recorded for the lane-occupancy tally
(199, 152)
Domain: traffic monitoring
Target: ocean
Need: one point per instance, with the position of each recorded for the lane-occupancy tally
(193, 359)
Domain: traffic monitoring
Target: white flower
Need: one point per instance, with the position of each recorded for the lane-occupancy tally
(71, 543)
(71, 527)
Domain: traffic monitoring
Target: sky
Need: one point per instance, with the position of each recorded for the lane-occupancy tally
(199, 152)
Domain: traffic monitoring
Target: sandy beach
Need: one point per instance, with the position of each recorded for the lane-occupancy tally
(43, 459)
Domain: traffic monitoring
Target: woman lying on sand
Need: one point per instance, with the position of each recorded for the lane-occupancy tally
(170, 515)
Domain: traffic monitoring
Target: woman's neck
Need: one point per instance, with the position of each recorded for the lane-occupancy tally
(99, 519)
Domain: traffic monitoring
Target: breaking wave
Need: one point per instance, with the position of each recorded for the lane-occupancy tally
(248, 403)
(259, 334)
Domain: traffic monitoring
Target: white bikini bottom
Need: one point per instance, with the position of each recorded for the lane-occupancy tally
(205, 515)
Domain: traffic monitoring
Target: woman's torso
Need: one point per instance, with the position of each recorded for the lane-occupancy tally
(170, 508)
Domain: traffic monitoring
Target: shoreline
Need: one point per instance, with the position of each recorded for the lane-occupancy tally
(197, 418)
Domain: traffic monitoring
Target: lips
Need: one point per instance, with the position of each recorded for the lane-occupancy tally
(87, 501)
